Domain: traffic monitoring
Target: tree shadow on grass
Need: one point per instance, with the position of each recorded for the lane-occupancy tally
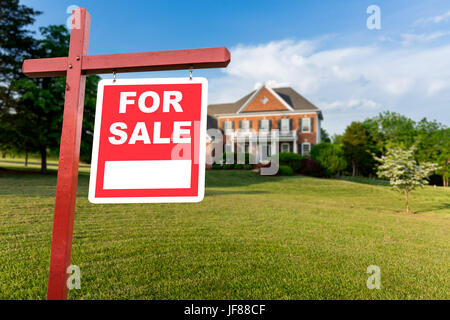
(32, 183)
(439, 207)
(212, 192)
(364, 180)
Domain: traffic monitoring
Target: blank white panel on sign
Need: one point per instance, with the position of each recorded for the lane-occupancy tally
(149, 174)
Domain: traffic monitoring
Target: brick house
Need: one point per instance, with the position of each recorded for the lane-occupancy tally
(259, 113)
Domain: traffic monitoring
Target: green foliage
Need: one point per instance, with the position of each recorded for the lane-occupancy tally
(248, 167)
(285, 170)
(391, 129)
(431, 138)
(216, 166)
(16, 44)
(400, 167)
(358, 146)
(330, 156)
(325, 137)
(36, 122)
(290, 159)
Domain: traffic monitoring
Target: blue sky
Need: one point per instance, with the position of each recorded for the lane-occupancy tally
(323, 49)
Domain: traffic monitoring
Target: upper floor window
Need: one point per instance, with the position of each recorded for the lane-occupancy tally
(244, 124)
(264, 125)
(307, 124)
(228, 125)
(285, 125)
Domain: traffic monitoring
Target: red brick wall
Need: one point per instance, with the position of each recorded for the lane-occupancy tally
(303, 136)
(272, 104)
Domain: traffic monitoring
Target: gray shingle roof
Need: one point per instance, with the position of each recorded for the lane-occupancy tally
(292, 97)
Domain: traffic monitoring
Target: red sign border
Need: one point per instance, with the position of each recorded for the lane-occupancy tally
(202, 147)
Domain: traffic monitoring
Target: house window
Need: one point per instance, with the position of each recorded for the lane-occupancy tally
(228, 125)
(306, 148)
(264, 125)
(264, 100)
(285, 125)
(245, 125)
(285, 147)
(306, 124)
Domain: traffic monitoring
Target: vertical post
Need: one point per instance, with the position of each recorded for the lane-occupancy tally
(66, 188)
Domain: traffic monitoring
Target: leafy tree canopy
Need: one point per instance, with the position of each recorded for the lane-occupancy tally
(330, 156)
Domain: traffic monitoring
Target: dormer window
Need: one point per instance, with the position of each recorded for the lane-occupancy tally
(264, 100)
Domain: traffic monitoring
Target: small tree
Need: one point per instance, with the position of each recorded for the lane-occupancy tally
(403, 171)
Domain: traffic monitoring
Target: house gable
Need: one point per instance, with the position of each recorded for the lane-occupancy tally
(265, 99)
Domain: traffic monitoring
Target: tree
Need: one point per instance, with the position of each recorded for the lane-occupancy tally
(325, 137)
(38, 114)
(404, 173)
(358, 147)
(391, 129)
(16, 44)
(433, 144)
(330, 156)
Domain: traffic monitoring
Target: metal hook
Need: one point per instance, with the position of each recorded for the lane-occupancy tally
(190, 73)
(114, 76)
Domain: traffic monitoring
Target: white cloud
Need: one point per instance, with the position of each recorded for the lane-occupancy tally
(435, 19)
(411, 38)
(354, 82)
(352, 104)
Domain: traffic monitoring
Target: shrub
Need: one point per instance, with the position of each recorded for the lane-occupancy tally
(330, 156)
(216, 166)
(248, 167)
(238, 166)
(284, 170)
(290, 159)
(228, 166)
(311, 167)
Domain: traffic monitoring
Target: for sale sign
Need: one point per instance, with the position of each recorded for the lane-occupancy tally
(149, 141)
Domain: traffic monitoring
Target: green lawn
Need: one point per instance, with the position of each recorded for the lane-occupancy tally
(251, 238)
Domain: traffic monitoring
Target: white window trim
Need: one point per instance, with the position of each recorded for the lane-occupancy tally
(248, 125)
(309, 145)
(268, 125)
(228, 122)
(285, 144)
(288, 124)
(309, 126)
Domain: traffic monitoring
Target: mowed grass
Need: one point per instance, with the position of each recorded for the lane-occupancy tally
(252, 237)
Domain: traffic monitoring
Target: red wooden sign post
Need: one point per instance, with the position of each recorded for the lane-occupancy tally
(76, 66)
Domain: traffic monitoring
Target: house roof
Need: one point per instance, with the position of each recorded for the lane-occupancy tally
(295, 100)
